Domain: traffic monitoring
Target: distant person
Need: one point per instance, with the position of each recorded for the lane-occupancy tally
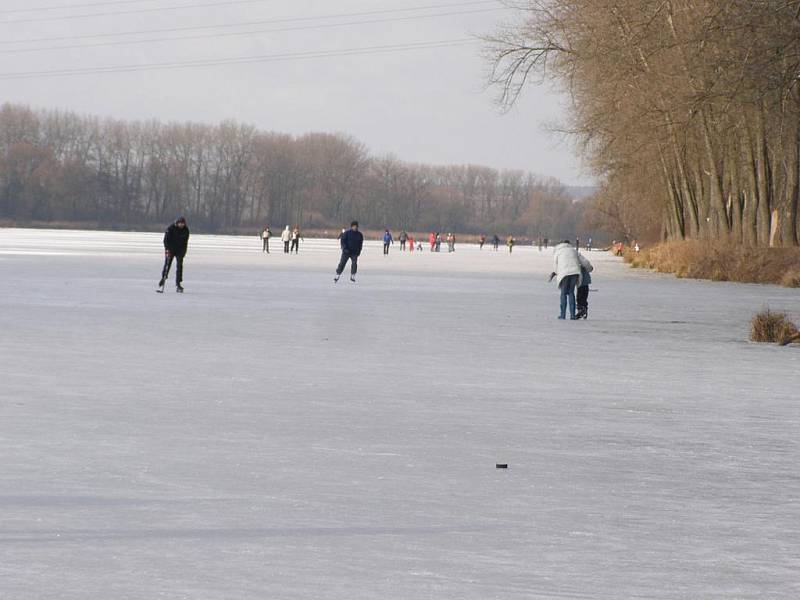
(582, 299)
(403, 239)
(419, 246)
(387, 241)
(481, 241)
(286, 238)
(352, 242)
(495, 242)
(438, 241)
(577, 243)
(589, 244)
(341, 235)
(539, 243)
(176, 240)
(451, 242)
(567, 268)
(546, 243)
(411, 244)
(510, 243)
(295, 240)
(432, 240)
(265, 235)
(636, 247)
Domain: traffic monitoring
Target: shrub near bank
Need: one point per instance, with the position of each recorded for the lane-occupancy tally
(718, 261)
(774, 327)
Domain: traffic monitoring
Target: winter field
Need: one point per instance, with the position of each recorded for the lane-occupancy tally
(271, 434)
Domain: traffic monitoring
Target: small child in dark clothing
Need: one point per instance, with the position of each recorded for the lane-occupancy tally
(582, 297)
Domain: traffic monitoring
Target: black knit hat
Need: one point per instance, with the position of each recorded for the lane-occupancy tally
(354, 224)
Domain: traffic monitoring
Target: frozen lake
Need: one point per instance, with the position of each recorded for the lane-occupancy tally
(271, 434)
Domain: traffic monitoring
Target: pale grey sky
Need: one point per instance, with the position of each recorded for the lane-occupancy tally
(423, 105)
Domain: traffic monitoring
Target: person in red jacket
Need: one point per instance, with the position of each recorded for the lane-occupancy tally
(432, 240)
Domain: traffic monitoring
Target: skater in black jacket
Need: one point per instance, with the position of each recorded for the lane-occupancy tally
(351, 243)
(176, 239)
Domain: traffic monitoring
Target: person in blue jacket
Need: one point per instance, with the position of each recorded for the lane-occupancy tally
(387, 241)
(351, 244)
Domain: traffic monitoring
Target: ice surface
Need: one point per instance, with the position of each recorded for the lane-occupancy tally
(271, 434)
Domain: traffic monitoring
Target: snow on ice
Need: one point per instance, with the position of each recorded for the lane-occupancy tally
(271, 434)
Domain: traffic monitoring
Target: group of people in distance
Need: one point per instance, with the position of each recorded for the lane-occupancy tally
(510, 242)
(571, 269)
(290, 238)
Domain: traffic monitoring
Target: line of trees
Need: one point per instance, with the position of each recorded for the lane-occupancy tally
(59, 166)
(687, 110)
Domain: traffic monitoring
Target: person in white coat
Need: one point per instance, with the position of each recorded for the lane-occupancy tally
(286, 237)
(567, 263)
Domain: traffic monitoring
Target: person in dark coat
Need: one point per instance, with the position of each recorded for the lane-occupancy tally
(351, 243)
(176, 240)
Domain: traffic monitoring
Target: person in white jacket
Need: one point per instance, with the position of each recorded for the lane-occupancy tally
(567, 263)
(286, 237)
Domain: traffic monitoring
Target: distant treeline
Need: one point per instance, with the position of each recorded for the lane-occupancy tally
(59, 166)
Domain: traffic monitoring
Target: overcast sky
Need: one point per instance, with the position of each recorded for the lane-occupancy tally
(423, 105)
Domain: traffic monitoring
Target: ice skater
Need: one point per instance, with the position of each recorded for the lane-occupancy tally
(567, 268)
(295, 240)
(265, 235)
(510, 243)
(411, 244)
(176, 240)
(286, 238)
(582, 299)
(387, 241)
(482, 240)
(351, 243)
(403, 239)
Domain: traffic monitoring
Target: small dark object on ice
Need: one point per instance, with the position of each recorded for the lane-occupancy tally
(501, 465)
(179, 288)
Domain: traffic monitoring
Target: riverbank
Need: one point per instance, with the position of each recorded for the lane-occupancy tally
(721, 262)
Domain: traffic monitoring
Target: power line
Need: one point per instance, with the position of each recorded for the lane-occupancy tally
(253, 23)
(247, 33)
(132, 12)
(373, 50)
(66, 6)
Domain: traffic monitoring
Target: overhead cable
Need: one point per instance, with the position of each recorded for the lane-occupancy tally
(368, 50)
